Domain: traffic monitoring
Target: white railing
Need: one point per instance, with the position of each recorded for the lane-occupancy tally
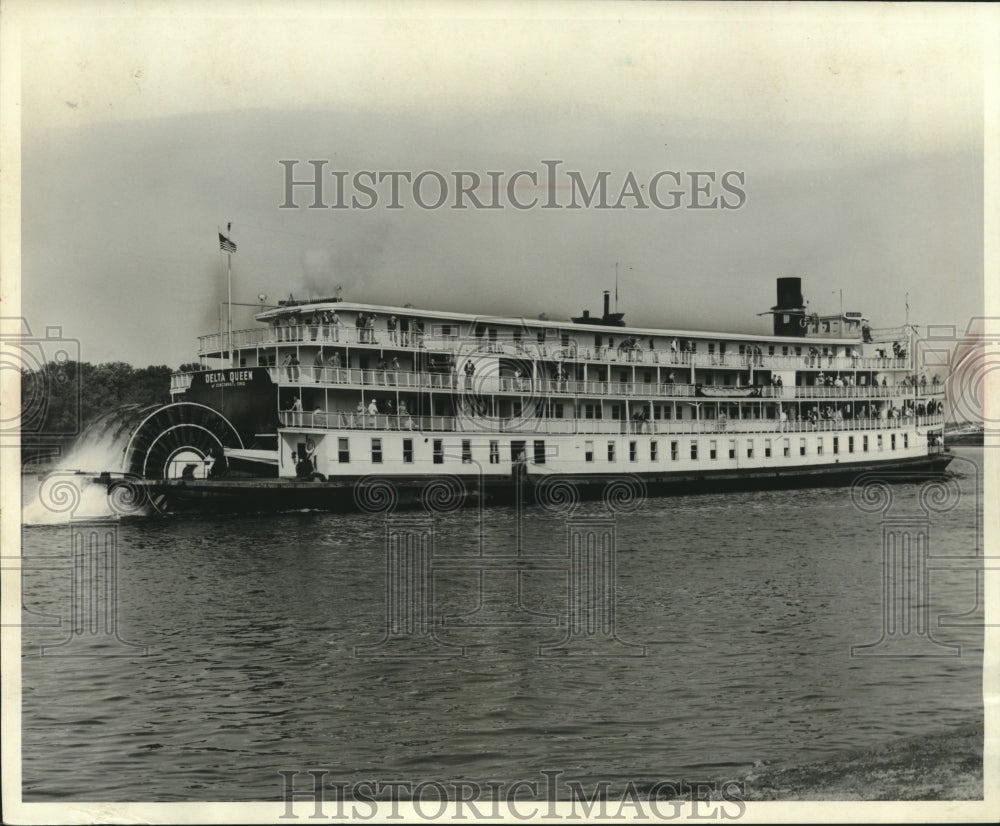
(344, 420)
(179, 382)
(486, 385)
(464, 347)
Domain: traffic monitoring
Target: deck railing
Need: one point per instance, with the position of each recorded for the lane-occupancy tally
(490, 384)
(344, 420)
(465, 347)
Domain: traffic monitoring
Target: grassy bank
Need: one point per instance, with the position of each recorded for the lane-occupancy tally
(943, 766)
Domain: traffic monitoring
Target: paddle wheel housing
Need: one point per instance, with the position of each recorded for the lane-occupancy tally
(175, 436)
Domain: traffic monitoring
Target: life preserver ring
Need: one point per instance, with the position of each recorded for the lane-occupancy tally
(310, 445)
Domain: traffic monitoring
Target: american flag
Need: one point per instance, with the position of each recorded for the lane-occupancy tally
(225, 244)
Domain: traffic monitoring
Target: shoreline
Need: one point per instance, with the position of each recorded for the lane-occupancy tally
(945, 765)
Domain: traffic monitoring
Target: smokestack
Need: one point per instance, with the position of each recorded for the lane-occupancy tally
(789, 312)
(607, 303)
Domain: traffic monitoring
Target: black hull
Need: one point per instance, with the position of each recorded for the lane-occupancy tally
(343, 495)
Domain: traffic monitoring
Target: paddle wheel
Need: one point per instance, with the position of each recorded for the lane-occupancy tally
(175, 437)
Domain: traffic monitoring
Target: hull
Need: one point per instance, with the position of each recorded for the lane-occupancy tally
(412, 492)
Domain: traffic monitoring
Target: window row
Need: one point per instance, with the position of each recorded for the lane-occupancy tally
(518, 449)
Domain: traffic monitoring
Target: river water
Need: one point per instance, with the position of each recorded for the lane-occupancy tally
(735, 618)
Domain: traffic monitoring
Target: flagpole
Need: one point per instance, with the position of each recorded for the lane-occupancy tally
(229, 282)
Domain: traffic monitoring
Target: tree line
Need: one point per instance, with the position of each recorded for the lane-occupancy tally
(60, 399)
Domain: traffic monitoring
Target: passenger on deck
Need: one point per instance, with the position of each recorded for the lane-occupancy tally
(318, 365)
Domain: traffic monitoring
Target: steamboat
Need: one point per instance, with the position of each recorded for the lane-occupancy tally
(326, 394)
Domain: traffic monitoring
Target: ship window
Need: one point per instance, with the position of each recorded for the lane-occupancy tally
(819, 446)
(749, 448)
(438, 452)
(408, 451)
(611, 451)
(654, 451)
(694, 448)
(864, 443)
(732, 448)
(892, 441)
(494, 452)
(798, 351)
(616, 411)
(516, 335)
(802, 447)
(633, 451)
(836, 445)
(770, 350)
(466, 451)
(343, 451)
(565, 339)
(539, 451)
(588, 451)
(784, 350)
(785, 318)
(850, 444)
(376, 451)
(878, 441)
(712, 449)
(767, 448)
(906, 440)
(674, 451)
(647, 377)
(598, 341)
(516, 408)
(786, 447)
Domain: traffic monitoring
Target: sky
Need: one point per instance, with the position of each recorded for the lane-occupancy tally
(854, 134)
